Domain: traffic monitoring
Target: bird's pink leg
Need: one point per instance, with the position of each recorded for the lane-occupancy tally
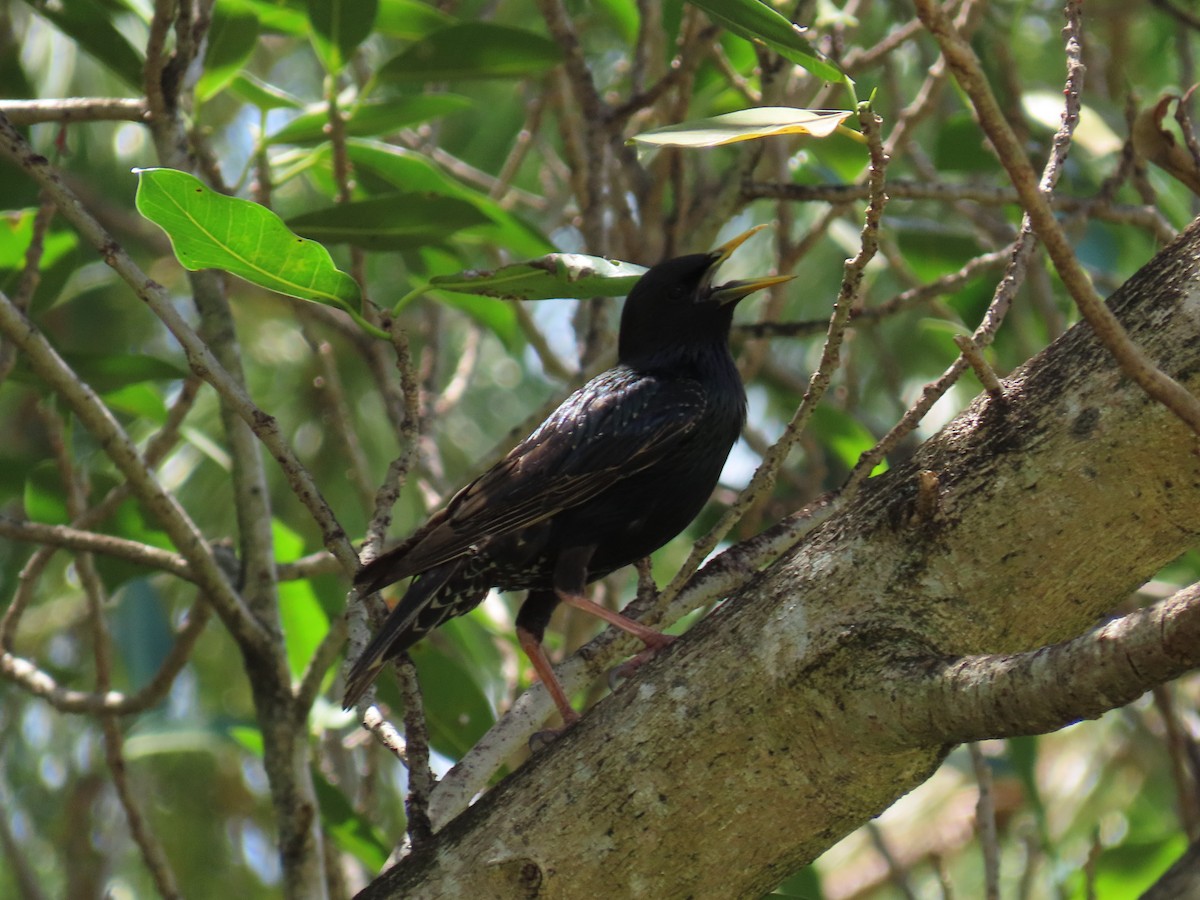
(654, 640)
(541, 664)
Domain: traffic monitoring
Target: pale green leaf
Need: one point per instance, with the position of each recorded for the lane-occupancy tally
(746, 125)
(554, 276)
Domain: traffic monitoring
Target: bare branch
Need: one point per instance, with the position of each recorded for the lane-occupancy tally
(971, 78)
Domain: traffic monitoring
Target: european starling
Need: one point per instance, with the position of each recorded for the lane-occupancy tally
(620, 468)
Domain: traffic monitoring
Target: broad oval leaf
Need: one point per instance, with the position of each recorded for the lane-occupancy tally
(552, 277)
(390, 222)
(473, 50)
(755, 21)
(746, 125)
(370, 119)
(211, 231)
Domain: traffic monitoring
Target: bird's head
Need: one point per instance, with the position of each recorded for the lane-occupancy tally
(677, 304)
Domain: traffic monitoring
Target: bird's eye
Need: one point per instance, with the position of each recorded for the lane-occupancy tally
(676, 292)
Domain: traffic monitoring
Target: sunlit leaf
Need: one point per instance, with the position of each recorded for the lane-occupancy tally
(746, 125)
(211, 231)
(370, 119)
(16, 233)
(756, 21)
(554, 276)
(1091, 133)
(247, 737)
(473, 50)
(304, 621)
(391, 222)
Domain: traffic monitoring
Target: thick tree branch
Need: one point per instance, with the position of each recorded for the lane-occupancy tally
(787, 698)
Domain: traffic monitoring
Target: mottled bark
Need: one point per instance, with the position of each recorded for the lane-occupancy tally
(802, 707)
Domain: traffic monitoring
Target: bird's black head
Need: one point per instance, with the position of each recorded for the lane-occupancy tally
(676, 305)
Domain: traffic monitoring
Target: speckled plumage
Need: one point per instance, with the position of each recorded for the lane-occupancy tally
(620, 468)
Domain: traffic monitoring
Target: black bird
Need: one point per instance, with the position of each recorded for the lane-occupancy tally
(620, 468)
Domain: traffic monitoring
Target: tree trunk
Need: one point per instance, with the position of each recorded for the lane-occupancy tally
(773, 728)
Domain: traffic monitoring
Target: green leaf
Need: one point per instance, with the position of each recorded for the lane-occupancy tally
(60, 257)
(264, 96)
(139, 400)
(409, 20)
(456, 709)
(845, 436)
(746, 125)
(496, 316)
(755, 21)
(370, 119)
(351, 832)
(278, 17)
(553, 276)
(141, 630)
(211, 231)
(301, 615)
(44, 499)
(247, 737)
(92, 27)
(231, 40)
(391, 222)
(111, 371)
(338, 27)
(408, 170)
(16, 234)
(473, 50)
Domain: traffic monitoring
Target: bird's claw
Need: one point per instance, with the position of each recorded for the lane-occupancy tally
(631, 665)
(540, 740)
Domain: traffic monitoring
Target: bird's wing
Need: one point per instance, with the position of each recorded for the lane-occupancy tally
(616, 425)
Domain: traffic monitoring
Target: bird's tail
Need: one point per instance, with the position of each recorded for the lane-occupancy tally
(414, 616)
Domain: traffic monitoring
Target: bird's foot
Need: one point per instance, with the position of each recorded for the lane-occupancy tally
(627, 668)
(540, 740)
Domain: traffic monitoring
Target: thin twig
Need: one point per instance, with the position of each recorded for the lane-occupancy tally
(1129, 356)
(200, 357)
(416, 740)
(764, 477)
(985, 823)
(99, 420)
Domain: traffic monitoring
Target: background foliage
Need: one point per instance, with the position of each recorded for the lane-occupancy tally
(418, 140)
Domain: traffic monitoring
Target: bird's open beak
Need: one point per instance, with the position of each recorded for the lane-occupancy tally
(736, 290)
